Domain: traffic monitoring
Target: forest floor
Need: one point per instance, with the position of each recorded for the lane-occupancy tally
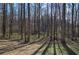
(8, 47)
(25, 50)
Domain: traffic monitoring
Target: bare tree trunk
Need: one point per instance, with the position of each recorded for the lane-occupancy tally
(38, 19)
(51, 22)
(47, 20)
(28, 39)
(78, 22)
(64, 23)
(72, 21)
(19, 15)
(4, 19)
(35, 20)
(60, 23)
(24, 23)
(11, 19)
(21, 19)
(75, 32)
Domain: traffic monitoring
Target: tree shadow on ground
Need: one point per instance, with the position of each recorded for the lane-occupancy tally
(54, 45)
(69, 50)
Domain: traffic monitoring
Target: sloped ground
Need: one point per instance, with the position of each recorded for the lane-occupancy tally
(6, 45)
(9, 45)
(26, 50)
(74, 46)
(58, 49)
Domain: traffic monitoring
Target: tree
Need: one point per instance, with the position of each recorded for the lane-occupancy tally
(78, 21)
(47, 20)
(51, 22)
(28, 39)
(72, 21)
(34, 18)
(11, 19)
(4, 19)
(63, 23)
(24, 22)
(38, 19)
(21, 19)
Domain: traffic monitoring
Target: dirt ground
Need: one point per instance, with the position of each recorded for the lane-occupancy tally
(26, 50)
(7, 43)
(8, 48)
